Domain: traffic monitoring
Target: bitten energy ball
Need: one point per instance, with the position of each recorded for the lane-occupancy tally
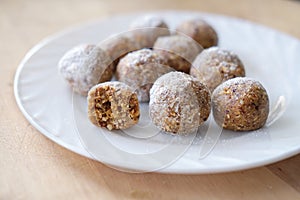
(147, 29)
(179, 103)
(240, 104)
(214, 66)
(85, 66)
(113, 105)
(178, 51)
(200, 31)
(140, 69)
(118, 46)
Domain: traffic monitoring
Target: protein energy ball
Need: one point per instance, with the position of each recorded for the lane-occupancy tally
(214, 66)
(140, 69)
(178, 51)
(240, 104)
(113, 105)
(179, 103)
(200, 31)
(118, 46)
(147, 29)
(85, 66)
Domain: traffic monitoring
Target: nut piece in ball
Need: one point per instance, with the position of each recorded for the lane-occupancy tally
(200, 31)
(85, 66)
(140, 69)
(214, 66)
(178, 51)
(179, 103)
(113, 105)
(147, 29)
(240, 104)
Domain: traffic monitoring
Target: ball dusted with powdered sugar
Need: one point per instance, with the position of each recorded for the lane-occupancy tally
(179, 103)
(85, 66)
(147, 29)
(213, 66)
(140, 69)
(178, 51)
(199, 30)
(118, 46)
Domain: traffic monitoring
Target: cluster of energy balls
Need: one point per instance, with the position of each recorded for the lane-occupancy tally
(182, 74)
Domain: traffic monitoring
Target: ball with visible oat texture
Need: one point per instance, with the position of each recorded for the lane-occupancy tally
(240, 104)
(113, 105)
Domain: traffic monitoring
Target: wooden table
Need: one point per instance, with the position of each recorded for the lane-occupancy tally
(33, 167)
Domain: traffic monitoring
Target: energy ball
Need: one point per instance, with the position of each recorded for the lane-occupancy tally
(85, 66)
(214, 66)
(200, 31)
(178, 51)
(147, 29)
(118, 46)
(113, 105)
(140, 69)
(240, 104)
(179, 103)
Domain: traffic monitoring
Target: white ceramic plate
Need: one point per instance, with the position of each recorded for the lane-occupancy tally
(268, 55)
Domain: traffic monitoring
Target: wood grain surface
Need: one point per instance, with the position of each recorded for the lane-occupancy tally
(33, 167)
